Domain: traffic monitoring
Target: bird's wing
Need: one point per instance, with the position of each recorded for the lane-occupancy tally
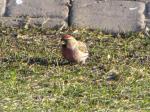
(82, 47)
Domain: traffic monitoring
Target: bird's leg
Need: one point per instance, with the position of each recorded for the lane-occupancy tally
(83, 62)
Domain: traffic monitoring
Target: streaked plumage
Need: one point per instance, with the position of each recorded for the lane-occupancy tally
(73, 50)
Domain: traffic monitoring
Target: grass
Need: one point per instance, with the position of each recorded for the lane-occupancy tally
(35, 78)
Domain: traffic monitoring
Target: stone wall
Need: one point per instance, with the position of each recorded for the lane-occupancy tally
(108, 15)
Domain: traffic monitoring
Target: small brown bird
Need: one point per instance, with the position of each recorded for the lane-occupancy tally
(73, 50)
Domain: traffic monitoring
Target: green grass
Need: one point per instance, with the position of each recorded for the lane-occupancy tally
(35, 78)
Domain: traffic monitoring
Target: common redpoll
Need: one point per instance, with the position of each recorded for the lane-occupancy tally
(73, 50)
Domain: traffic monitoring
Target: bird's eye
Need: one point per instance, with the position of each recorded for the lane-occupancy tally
(64, 41)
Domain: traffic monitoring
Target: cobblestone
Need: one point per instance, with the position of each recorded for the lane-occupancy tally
(112, 16)
(108, 15)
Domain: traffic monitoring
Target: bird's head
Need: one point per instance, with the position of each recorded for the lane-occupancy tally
(67, 38)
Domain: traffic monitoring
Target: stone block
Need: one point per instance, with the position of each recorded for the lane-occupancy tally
(37, 8)
(46, 23)
(109, 16)
(11, 22)
(2, 7)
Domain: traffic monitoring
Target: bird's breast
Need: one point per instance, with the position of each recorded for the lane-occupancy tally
(68, 54)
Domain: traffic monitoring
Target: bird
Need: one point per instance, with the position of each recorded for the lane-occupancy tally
(74, 50)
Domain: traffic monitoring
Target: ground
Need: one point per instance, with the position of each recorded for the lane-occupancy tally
(35, 78)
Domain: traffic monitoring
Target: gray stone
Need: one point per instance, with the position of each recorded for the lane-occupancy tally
(147, 15)
(148, 9)
(2, 7)
(11, 22)
(109, 16)
(145, 1)
(38, 8)
(46, 23)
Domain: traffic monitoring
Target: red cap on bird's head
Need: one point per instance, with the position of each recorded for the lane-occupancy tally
(67, 37)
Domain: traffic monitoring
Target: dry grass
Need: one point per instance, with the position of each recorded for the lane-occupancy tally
(34, 77)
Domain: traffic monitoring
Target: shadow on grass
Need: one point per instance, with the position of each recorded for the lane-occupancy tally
(46, 62)
(60, 63)
(35, 60)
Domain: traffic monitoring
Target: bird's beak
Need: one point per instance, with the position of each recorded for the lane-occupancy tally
(62, 41)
